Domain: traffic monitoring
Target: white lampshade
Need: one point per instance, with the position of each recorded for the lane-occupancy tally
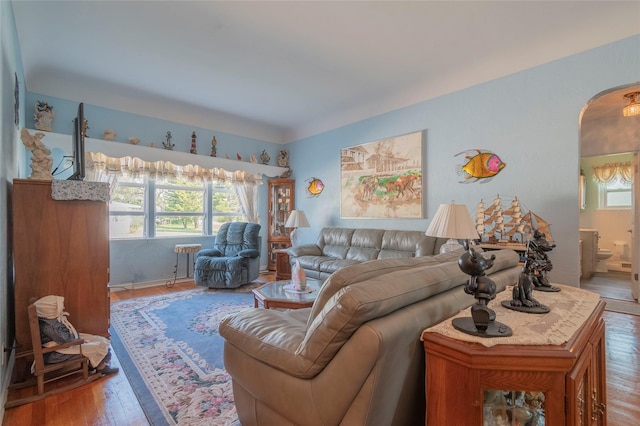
(297, 219)
(452, 221)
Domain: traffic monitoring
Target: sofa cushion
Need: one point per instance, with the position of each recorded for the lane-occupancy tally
(405, 244)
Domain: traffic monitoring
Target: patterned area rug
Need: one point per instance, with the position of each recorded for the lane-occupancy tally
(171, 352)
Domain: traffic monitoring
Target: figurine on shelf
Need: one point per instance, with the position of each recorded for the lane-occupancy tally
(214, 150)
(167, 144)
(43, 116)
(134, 141)
(482, 322)
(193, 149)
(283, 158)
(264, 157)
(109, 135)
(41, 160)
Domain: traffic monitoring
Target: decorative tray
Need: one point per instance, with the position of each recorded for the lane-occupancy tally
(291, 289)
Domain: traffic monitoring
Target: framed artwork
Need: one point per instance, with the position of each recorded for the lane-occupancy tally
(382, 179)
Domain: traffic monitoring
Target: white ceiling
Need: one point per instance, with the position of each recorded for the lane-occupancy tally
(280, 71)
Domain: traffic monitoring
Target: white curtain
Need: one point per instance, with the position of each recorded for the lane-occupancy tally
(248, 198)
(101, 168)
(608, 172)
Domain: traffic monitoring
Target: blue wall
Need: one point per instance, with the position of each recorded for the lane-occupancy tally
(142, 260)
(530, 119)
(10, 150)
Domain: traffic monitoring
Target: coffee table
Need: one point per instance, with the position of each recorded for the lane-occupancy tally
(274, 295)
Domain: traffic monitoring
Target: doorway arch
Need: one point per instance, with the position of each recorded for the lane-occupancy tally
(604, 131)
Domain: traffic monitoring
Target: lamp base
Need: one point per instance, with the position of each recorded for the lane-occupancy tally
(294, 237)
(451, 245)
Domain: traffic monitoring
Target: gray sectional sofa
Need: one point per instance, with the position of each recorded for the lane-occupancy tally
(337, 248)
(355, 356)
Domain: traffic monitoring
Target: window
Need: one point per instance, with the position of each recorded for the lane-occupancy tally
(148, 208)
(616, 194)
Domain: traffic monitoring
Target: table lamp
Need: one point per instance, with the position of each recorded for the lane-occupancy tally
(452, 221)
(297, 219)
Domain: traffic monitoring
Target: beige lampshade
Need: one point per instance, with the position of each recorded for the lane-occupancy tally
(452, 221)
(297, 219)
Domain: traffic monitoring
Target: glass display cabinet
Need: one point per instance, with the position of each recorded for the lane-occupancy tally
(527, 385)
(281, 203)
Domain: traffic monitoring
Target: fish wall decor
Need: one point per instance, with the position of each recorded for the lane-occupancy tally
(481, 165)
(315, 187)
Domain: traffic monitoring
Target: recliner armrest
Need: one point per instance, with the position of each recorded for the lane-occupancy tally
(249, 253)
(305, 250)
(210, 253)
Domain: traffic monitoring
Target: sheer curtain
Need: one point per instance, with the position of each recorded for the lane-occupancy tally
(608, 172)
(101, 168)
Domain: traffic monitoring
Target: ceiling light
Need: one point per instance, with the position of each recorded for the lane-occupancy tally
(634, 107)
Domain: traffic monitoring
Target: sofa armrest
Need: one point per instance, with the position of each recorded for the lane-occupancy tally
(210, 253)
(249, 253)
(305, 250)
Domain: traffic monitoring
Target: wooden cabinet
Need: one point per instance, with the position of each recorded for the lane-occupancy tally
(60, 248)
(281, 203)
(470, 384)
(283, 267)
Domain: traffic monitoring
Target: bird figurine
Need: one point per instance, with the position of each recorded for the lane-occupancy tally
(238, 156)
(253, 159)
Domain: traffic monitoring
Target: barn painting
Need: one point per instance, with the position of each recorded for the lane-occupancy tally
(382, 179)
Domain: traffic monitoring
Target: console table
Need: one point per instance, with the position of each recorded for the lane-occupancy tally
(560, 377)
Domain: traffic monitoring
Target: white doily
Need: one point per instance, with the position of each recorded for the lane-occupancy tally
(570, 308)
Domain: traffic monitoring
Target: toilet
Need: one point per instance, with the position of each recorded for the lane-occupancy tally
(603, 255)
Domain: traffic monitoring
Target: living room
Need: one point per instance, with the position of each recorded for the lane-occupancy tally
(530, 117)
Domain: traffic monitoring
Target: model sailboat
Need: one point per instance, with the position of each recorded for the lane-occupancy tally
(508, 226)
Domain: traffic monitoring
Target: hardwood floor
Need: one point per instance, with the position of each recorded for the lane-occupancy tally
(111, 402)
(612, 285)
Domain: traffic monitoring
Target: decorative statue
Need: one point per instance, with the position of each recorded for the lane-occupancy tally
(109, 135)
(283, 158)
(43, 116)
(167, 144)
(264, 157)
(193, 143)
(540, 264)
(482, 322)
(41, 160)
(214, 150)
(532, 277)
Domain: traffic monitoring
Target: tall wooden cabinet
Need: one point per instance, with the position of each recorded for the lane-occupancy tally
(281, 203)
(60, 248)
(470, 384)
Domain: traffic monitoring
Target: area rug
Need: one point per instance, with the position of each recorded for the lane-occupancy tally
(622, 306)
(171, 352)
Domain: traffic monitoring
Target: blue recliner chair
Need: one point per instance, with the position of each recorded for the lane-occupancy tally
(234, 259)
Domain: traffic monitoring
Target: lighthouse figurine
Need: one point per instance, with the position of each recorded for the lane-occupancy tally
(193, 143)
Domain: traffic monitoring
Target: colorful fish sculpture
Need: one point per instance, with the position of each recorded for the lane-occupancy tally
(315, 186)
(481, 165)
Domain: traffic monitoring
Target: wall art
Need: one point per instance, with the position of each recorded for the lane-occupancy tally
(315, 187)
(480, 165)
(382, 179)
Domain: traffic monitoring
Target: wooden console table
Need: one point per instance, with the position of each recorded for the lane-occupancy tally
(470, 383)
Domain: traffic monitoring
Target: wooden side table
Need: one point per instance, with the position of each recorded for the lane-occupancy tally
(468, 383)
(283, 267)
